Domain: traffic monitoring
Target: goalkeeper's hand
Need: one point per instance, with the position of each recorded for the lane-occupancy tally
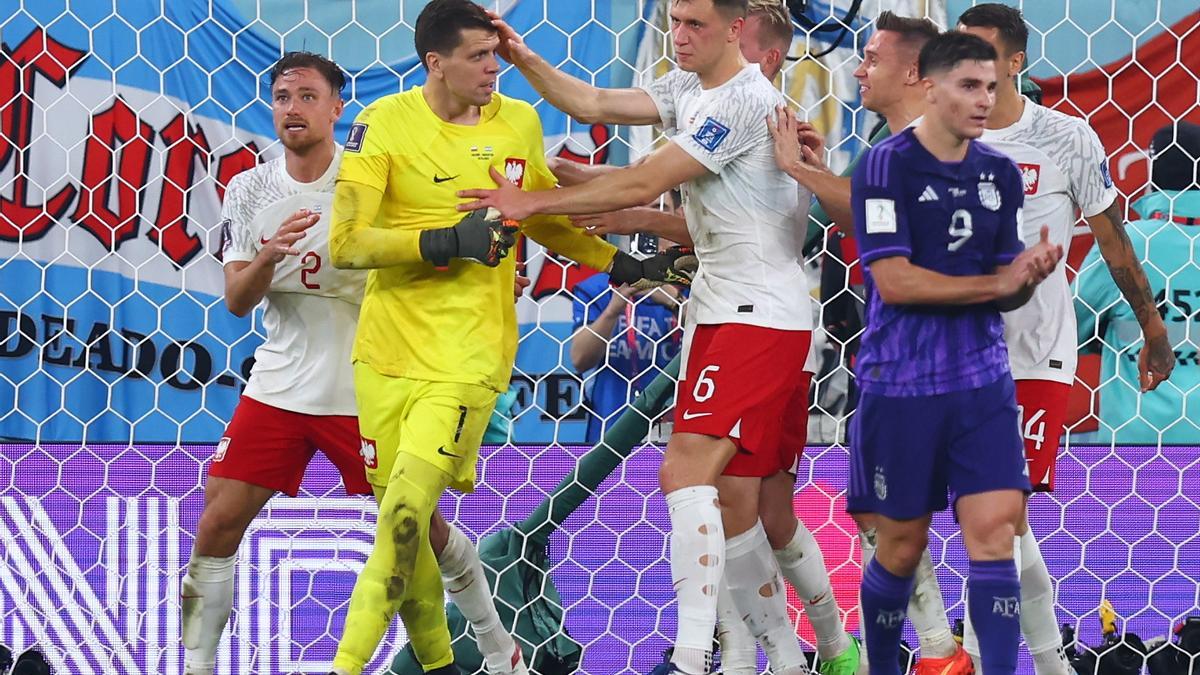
(476, 237)
(677, 265)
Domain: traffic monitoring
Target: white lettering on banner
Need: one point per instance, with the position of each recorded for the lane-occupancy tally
(102, 592)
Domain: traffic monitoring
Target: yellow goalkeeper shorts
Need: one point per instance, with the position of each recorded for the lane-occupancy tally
(441, 423)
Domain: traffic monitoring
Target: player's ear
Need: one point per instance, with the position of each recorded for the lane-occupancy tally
(433, 63)
(913, 74)
(774, 57)
(1016, 63)
(927, 83)
(735, 29)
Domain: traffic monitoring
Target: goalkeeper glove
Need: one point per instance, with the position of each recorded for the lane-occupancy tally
(481, 236)
(677, 265)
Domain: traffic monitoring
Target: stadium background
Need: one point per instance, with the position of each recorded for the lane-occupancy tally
(119, 365)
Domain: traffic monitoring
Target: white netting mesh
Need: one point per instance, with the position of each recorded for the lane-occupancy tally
(120, 125)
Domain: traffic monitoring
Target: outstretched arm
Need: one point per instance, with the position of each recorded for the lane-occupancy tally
(1157, 358)
(634, 185)
(638, 220)
(580, 100)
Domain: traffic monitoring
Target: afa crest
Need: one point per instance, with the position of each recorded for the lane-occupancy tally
(989, 196)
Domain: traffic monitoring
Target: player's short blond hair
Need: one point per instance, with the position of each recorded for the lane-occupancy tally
(776, 23)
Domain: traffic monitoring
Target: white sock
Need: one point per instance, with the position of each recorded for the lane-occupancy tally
(927, 612)
(462, 575)
(866, 541)
(697, 564)
(970, 639)
(739, 649)
(758, 594)
(206, 599)
(803, 565)
(1038, 622)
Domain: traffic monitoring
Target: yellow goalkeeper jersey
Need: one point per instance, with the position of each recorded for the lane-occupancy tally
(457, 325)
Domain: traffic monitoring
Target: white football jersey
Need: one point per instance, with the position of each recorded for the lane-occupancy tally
(311, 310)
(746, 218)
(1064, 168)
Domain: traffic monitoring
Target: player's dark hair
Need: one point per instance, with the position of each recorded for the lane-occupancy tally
(947, 50)
(440, 26)
(730, 9)
(1008, 22)
(332, 73)
(914, 32)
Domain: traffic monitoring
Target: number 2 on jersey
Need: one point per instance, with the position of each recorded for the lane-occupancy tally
(960, 229)
(310, 264)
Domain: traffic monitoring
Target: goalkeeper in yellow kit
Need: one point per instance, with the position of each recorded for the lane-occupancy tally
(437, 334)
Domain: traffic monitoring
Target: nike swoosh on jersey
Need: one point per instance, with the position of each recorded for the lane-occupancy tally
(691, 415)
(264, 241)
(440, 179)
(442, 451)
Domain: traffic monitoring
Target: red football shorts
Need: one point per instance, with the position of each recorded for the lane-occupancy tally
(1042, 408)
(741, 382)
(271, 447)
(795, 426)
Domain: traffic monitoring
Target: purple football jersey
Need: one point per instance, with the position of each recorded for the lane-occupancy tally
(955, 218)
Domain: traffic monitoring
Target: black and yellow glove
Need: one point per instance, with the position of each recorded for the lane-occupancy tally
(476, 238)
(677, 265)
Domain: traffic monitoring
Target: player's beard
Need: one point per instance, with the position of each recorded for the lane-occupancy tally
(479, 97)
(302, 145)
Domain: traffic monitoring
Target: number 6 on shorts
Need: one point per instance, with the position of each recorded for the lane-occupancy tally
(705, 387)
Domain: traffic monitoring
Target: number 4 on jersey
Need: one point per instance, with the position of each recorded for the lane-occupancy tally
(1038, 436)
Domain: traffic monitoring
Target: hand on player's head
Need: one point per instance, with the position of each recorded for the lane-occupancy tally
(283, 243)
(512, 47)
